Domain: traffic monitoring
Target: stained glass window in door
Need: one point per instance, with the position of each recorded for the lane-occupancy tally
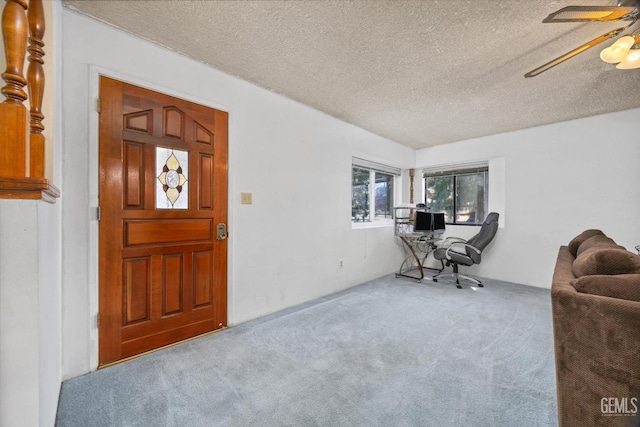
(172, 170)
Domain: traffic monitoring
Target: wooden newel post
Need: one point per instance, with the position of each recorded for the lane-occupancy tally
(35, 78)
(14, 152)
(412, 173)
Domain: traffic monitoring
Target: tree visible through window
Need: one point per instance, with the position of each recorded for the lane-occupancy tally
(372, 185)
(384, 195)
(360, 195)
(463, 195)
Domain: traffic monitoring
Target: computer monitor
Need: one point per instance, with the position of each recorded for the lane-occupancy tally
(422, 222)
(425, 222)
(438, 222)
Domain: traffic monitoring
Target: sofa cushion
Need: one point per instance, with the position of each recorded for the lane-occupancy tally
(577, 241)
(597, 240)
(606, 260)
(623, 286)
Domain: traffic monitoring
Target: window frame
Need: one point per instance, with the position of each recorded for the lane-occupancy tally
(375, 168)
(456, 171)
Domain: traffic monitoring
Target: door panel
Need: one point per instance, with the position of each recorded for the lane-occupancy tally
(159, 231)
(163, 187)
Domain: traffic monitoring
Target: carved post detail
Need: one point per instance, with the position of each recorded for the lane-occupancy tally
(14, 27)
(35, 78)
(411, 175)
(22, 156)
(13, 114)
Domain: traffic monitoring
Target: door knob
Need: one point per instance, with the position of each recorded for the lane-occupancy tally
(221, 231)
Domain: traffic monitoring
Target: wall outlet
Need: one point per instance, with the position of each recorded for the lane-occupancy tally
(341, 264)
(246, 198)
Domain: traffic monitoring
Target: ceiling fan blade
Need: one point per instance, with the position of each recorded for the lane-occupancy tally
(592, 14)
(575, 52)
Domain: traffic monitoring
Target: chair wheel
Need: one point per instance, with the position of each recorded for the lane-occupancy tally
(435, 280)
(481, 285)
(459, 286)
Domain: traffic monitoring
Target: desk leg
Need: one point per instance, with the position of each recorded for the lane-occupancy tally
(407, 264)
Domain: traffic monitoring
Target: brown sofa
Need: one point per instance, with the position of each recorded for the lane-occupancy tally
(595, 297)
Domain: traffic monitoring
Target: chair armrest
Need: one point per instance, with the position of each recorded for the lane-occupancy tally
(464, 245)
(448, 241)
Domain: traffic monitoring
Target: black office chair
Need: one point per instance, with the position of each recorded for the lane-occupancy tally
(456, 251)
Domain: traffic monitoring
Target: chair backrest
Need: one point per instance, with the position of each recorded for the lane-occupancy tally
(484, 237)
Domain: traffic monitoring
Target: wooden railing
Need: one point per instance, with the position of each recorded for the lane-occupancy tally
(22, 144)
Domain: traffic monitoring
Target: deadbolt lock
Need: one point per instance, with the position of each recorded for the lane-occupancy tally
(221, 231)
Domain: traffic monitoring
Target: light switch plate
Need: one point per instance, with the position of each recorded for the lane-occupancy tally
(246, 198)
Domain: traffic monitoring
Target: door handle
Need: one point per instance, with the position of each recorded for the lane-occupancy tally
(221, 231)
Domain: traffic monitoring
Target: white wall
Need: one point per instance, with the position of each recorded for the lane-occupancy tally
(559, 180)
(30, 338)
(285, 247)
(19, 295)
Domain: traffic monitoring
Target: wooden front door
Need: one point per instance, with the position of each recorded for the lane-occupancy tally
(163, 198)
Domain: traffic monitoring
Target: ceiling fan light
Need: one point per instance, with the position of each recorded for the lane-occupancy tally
(631, 61)
(617, 51)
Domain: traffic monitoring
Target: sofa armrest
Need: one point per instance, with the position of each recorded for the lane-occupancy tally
(597, 348)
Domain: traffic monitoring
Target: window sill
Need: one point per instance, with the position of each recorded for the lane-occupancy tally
(374, 224)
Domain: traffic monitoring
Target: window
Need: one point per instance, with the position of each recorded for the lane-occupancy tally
(462, 192)
(372, 185)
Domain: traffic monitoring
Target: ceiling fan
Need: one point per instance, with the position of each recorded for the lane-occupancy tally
(626, 10)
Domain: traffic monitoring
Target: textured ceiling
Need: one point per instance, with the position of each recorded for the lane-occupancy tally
(420, 73)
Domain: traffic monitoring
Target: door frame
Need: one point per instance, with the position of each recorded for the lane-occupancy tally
(94, 170)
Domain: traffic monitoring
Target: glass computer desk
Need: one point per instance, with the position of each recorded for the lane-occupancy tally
(416, 246)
